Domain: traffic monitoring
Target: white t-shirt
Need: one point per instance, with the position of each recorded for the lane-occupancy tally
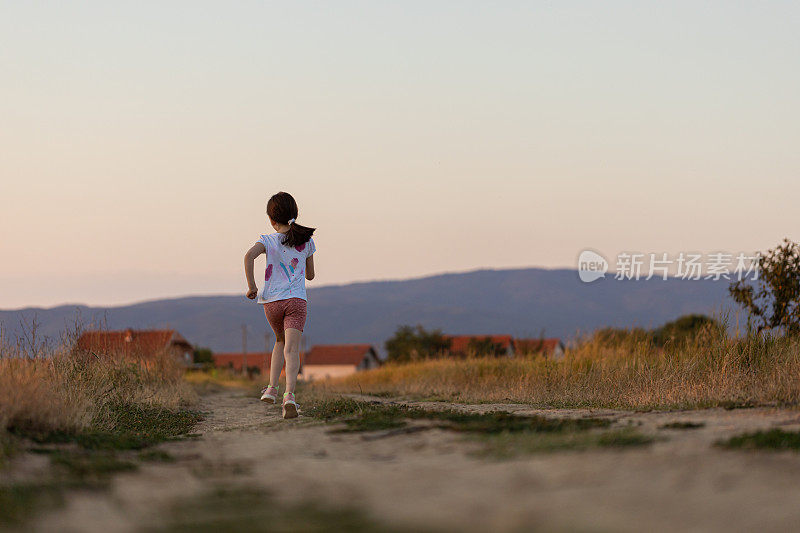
(285, 276)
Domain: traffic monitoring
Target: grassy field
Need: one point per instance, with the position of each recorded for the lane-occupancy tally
(62, 392)
(91, 415)
(709, 370)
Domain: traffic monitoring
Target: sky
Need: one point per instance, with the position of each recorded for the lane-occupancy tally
(140, 141)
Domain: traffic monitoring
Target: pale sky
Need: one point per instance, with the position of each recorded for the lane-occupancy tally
(139, 142)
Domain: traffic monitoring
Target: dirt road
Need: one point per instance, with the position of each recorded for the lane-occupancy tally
(429, 480)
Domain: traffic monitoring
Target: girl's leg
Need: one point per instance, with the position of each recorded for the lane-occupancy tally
(276, 363)
(291, 354)
(274, 313)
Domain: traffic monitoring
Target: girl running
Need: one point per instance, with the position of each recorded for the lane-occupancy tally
(290, 262)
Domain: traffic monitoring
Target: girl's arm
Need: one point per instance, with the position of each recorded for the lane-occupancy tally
(310, 267)
(249, 259)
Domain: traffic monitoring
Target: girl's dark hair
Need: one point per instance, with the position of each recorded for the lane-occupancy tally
(282, 208)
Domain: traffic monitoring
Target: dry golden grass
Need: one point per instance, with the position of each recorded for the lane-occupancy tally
(213, 378)
(706, 371)
(63, 391)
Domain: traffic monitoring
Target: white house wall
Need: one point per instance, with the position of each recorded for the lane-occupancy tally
(317, 372)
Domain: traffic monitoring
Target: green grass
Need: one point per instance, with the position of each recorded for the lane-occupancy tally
(371, 416)
(156, 456)
(7, 447)
(20, 501)
(102, 450)
(90, 467)
(509, 445)
(682, 425)
(250, 509)
(773, 439)
(503, 434)
(123, 426)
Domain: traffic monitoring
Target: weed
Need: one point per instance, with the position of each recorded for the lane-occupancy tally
(216, 469)
(20, 501)
(501, 421)
(682, 425)
(504, 434)
(508, 445)
(81, 469)
(250, 509)
(132, 426)
(711, 370)
(333, 407)
(7, 447)
(89, 467)
(103, 403)
(622, 438)
(370, 416)
(65, 391)
(123, 426)
(772, 439)
(158, 456)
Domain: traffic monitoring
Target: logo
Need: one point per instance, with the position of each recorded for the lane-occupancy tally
(591, 266)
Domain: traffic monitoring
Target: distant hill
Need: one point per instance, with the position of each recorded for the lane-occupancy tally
(521, 302)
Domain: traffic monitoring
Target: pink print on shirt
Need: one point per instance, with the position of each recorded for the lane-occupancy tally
(268, 272)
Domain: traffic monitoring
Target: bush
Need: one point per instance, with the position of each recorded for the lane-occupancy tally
(203, 356)
(484, 346)
(683, 329)
(413, 343)
(678, 332)
(772, 301)
(64, 391)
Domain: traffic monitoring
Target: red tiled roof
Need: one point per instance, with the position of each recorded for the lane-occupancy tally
(460, 343)
(535, 345)
(259, 359)
(336, 354)
(131, 342)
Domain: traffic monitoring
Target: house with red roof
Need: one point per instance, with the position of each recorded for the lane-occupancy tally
(335, 360)
(141, 345)
(478, 345)
(237, 361)
(552, 348)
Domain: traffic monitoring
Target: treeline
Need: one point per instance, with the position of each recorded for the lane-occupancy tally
(683, 329)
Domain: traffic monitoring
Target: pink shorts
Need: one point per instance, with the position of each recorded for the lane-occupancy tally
(285, 314)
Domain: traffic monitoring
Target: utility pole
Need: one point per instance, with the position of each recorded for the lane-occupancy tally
(244, 348)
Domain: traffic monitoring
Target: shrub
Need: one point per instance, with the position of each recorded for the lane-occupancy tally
(772, 301)
(67, 391)
(413, 343)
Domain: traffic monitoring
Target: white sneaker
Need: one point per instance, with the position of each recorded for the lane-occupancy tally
(269, 394)
(289, 405)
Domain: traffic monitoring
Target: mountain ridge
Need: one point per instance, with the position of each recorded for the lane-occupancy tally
(522, 302)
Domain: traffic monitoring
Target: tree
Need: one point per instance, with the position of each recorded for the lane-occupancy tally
(773, 300)
(481, 347)
(203, 356)
(410, 343)
(683, 328)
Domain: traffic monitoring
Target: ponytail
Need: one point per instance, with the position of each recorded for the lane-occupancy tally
(283, 209)
(297, 235)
